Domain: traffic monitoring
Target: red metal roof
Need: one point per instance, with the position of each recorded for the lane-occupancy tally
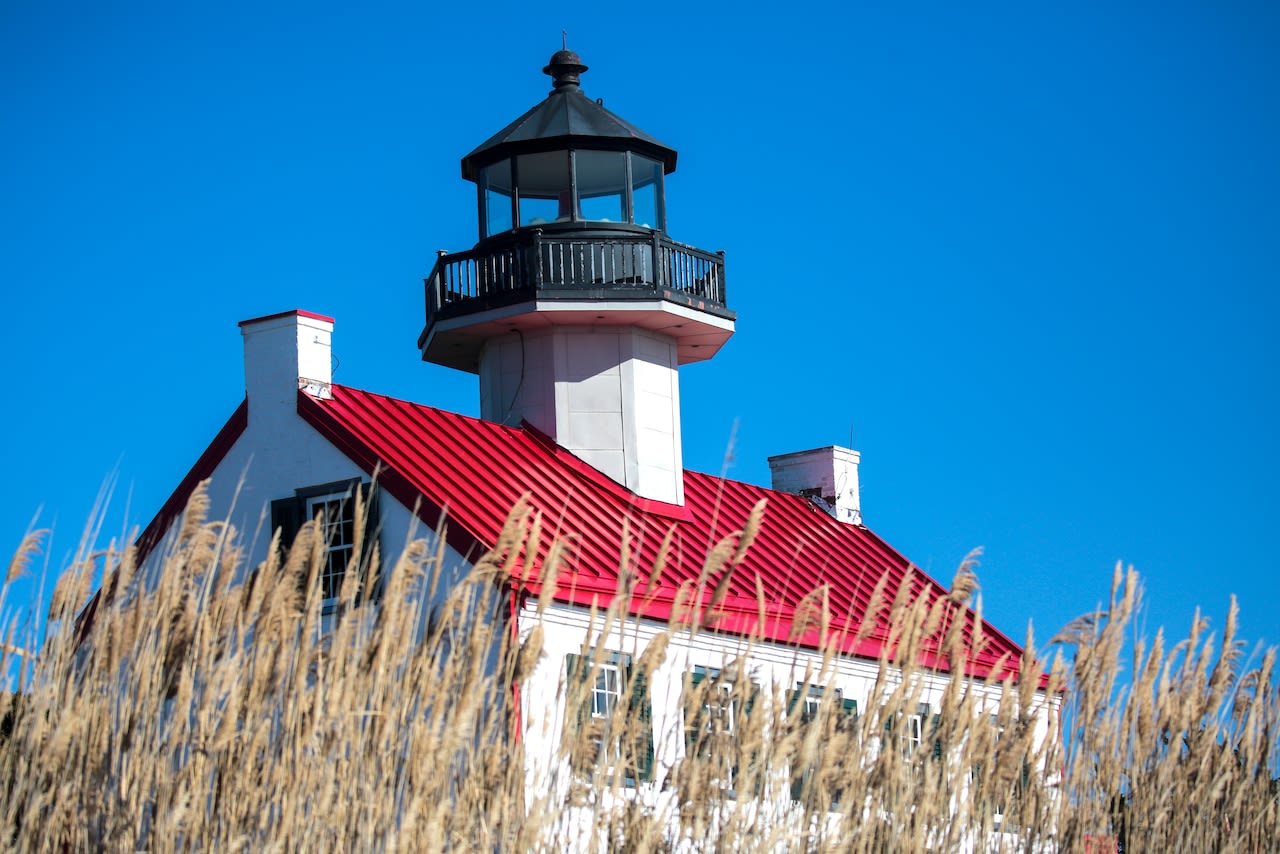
(475, 471)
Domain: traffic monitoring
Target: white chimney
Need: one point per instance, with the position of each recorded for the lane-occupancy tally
(828, 475)
(283, 353)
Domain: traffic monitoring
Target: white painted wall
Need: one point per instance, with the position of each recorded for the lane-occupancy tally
(279, 452)
(568, 630)
(832, 470)
(285, 352)
(608, 394)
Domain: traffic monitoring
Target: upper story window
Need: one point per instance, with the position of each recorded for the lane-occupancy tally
(716, 710)
(827, 723)
(911, 734)
(338, 510)
(609, 726)
(335, 516)
(1000, 786)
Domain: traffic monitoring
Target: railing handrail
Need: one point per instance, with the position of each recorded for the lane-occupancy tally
(531, 260)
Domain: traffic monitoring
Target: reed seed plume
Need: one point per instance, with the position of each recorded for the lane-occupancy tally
(201, 704)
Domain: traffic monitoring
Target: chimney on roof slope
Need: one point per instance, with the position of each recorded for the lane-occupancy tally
(283, 353)
(829, 475)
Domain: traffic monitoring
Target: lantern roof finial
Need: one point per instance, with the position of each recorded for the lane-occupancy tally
(564, 67)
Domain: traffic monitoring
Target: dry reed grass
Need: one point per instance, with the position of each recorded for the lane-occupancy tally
(197, 713)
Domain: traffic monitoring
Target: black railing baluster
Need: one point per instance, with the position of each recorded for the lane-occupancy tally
(537, 252)
(530, 261)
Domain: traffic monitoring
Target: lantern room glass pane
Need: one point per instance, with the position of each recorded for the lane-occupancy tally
(646, 185)
(602, 185)
(497, 197)
(544, 187)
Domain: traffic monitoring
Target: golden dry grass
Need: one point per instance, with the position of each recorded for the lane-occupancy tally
(196, 713)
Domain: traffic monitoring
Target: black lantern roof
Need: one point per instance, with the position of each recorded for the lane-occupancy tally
(567, 118)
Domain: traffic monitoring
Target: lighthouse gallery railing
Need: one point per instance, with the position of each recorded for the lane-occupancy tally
(530, 263)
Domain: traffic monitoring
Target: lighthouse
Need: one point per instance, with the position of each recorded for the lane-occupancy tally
(575, 307)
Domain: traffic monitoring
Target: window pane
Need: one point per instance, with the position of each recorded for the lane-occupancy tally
(335, 516)
(544, 187)
(335, 569)
(607, 691)
(646, 183)
(602, 182)
(497, 197)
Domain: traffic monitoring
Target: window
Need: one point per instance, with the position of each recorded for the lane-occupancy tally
(606, 691)
(347, 546)
(835, 720)
(912, 732)
(908, 731)
(543, 182)
(646, 192)
(602, 184)
(611, 719)
(497, 193)
(715, 710)
(1003, 798)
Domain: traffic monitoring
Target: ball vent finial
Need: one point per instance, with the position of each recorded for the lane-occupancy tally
(565, 69)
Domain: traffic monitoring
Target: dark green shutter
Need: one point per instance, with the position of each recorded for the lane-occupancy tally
(799, 776)
(693, 710)
(370, 573)
(286, 514)
(577, 711)
(753, 761)
(578, 670)
(642, 712)
(937, 739)
(849, 708)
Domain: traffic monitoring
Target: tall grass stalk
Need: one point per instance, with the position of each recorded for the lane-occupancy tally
(204, 707)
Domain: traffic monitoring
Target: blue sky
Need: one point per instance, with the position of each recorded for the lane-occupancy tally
(1026, 255)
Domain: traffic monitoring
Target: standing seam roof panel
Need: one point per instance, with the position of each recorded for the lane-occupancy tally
(477, 469)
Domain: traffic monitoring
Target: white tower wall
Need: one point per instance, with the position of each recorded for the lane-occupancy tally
(610, 395)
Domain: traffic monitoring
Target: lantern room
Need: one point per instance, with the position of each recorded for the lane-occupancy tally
(569, 162)
(572, 222)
